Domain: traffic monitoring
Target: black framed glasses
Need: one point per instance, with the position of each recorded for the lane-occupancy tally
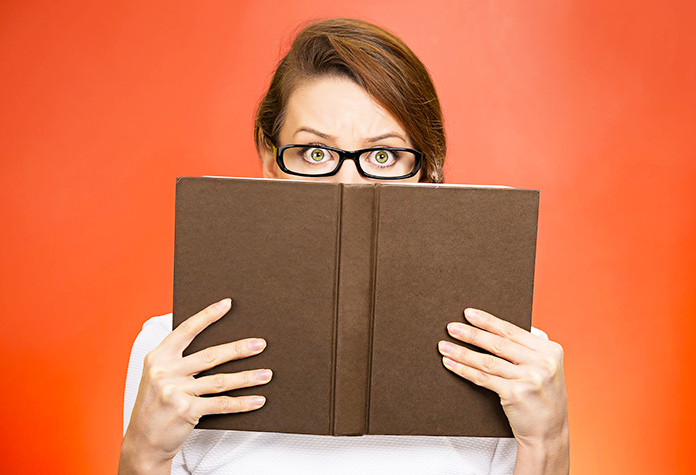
(384, 163)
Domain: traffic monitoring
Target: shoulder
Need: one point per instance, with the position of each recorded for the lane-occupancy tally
(151, 335)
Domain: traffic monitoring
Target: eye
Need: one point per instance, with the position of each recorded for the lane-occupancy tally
(383, 158)
(316, 155)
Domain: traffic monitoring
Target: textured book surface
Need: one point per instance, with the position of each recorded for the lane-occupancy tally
(353, 286)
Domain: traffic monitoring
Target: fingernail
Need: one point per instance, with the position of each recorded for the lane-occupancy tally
(263, 375)
(257, 344)
(257, 401)
(455, 328)
(471, 314)
(448, 362)
(446, 347)
(223, 304)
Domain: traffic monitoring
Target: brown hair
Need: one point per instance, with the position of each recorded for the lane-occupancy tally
(377, 61)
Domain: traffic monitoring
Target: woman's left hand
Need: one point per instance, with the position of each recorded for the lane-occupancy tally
(527, 373)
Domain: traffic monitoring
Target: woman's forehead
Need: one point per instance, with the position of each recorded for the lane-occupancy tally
(339, 109)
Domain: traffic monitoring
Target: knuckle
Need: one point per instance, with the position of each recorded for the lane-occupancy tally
(218, 381)
(207, 356)
(150, 359)
(551, 366)
(489, 362)
(182, 407)
(516, 395)
(460, 353)
(246, 379)
(156, 374)
(210, 311)
(168, 396)
(480, 378)
(470, 333)
(500, 344)
(238, 348)
(507, 330)
(225, 405)
(189, 326)
(535, 380)
(484, 318)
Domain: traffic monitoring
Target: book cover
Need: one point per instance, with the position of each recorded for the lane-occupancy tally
(352, 286)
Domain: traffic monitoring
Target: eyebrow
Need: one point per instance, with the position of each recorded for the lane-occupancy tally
(315, 132)
(388, 135)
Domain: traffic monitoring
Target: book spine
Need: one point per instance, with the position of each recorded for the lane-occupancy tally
(354, 310)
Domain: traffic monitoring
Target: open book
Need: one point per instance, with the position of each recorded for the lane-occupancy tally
(352, 286)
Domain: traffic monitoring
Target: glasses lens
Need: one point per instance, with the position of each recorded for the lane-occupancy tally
(310, 160)
(388, 163)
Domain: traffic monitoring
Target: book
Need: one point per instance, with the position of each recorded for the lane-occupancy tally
(352, 286)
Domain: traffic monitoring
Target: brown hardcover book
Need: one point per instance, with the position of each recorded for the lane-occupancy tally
(353, 286)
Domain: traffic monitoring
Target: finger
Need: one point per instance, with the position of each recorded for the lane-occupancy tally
(182, 336)
(228, 405)
(215, 355)
(483, 362)
(500, 327)
(496, 344)
(480, 378)
(226, 382)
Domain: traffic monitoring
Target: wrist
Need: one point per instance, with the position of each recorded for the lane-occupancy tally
(133, 460)
(549, 456)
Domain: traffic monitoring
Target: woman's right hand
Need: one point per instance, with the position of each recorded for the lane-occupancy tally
(168, 405)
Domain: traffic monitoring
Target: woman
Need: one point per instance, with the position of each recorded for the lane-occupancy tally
(345, 85)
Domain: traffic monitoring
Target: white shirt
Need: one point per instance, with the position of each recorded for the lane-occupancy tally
(251, 453)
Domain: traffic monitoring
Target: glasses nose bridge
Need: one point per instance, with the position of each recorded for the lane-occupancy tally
(354, 155)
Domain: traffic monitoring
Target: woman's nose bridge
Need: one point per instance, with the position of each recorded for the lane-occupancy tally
(348, 173)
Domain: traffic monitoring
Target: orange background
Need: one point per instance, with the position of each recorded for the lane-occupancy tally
(103, 104)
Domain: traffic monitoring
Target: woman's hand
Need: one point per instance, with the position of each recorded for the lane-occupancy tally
(168, 405)
(527, 373)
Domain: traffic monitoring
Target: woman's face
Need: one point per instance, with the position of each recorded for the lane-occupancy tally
(336, 112)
